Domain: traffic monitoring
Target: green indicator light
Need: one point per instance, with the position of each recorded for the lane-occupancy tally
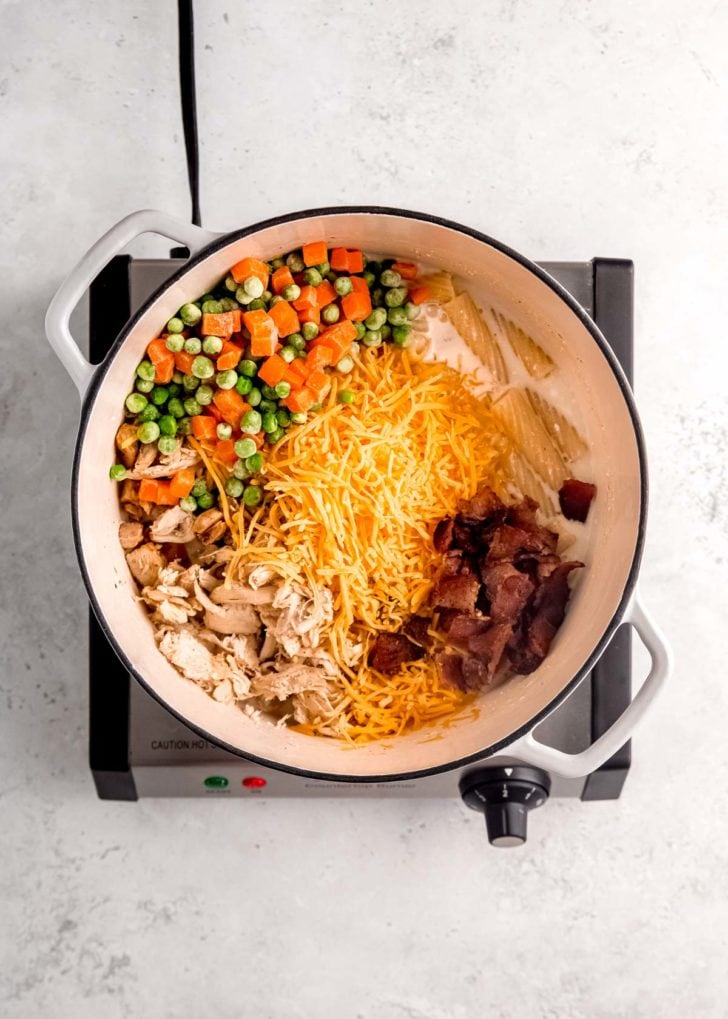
(216, 782)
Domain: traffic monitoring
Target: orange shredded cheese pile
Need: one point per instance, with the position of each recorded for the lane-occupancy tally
(357, 492)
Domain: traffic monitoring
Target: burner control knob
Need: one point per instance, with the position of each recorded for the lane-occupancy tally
(505, 795)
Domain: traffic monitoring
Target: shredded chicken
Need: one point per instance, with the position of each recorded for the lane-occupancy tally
(131, 534)
(127, 444)
(174, 526)
(145, 563)
(210, 526)
(168, 465)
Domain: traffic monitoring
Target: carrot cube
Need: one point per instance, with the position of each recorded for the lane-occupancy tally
(418, 295)
(407, 270)
(319, 356)
(325, 294)
(250, 267)
(300, 400)
(312, 314)
(229, 356)
(273, 370)
(230, 404)
(217, 325)
(182, 482)
(319, 383)
(357, 305)
(203, 427)
(281, 279)
(285, 318)
(339, 260)
(315, 253)
(165, 496)
(296, 373)
(148, 490)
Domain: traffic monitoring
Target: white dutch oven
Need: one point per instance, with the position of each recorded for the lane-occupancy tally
(604, 596)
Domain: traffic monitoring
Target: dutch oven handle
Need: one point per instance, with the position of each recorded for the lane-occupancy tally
(529, 750)
(79, 279)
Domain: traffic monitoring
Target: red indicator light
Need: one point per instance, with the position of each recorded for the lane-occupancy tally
(254, 782)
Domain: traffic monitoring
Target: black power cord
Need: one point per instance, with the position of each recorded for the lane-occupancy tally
(189, 101)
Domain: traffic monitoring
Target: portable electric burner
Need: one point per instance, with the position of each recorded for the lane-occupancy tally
(137, 748)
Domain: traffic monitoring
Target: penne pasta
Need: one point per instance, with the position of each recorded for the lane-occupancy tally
(440, 285)
(534, 358)
(528, 483)
(525, 428)
(472, 327)
(567, 439)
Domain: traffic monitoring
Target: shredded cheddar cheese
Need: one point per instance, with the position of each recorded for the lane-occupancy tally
(357, 492)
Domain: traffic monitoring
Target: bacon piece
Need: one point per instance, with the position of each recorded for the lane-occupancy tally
(575, 498)
(508, 591)
(390, 651)
(416, 628)
(442, 538)
(450, 668)
(547, 615)
(459, 592)
(484, 504)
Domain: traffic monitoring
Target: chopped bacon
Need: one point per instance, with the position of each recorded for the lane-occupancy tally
(575, 498)
(508, 591)
(416, 628)
(442, 538)
(459, 592)
(390, 651)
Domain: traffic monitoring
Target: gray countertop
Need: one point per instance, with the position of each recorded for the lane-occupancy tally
(567, 131)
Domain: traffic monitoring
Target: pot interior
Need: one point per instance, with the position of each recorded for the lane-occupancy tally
(588, 390)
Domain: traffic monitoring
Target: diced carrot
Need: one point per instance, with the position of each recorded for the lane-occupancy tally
(319, 383)
(230, 404)
(296, 373)
(337, 339)
(212, 410)
(355, 261)
(273, 369)
(325, 294)
(300, 400)
(183, 362)
(229, 356)
(339, 259)
(250, 267)
(262, 345)
(203, 427)
(148, 490)
(225, 451)
(217, 325)
(359, 285)
(420, 294)
(407, 270)
(164, 370)
(165, 496)
(357, 305)
(182, 482)
(285, 318)
(314, 253)
(319, 356)
(263, 333)
(254, 320)
(157, 350)
(310, 315)
(237, 317)
(281, 279)
(308, 299)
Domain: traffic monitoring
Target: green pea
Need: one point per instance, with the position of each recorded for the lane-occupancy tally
(253, 286)
(240, 471)
(148, 432)
(199, 488)
(324, 267)
(390, 278)
(266, 295)
(252, 495)
(294, 262)
(145, 370)
(270, 424)
(276, 263)
(397, 316)
(175, 343)
(193, 345)
(310, 330)
(369, 278)
(256, 304)
(276, 299)
(313, 277)
(190, 383)
(346, 364)
(192, 407)
(159, 395)
(361, 330)
(401, 335)
(268, 392)
(211, 345)
(184, 426)
(254, 397)
(330, 314)
(251, 422)
(373, 338)
(233, 486)
(175, 325)
(248, 367)
(227, 379)
(343, 286)
(283, 418)
(267, 405)
(204, 395)
(178, 378)
(299, 418)
(291, 292)
(174, 388)
(346, 396)
(243, 385)
(231, 284)
(206, 500)
(242, 295)
(289, 353)
(205, 297)
(135, 403)
(203, 368)
(188, 504)
(282, 390)
(167, 444)
(245, 448)
(211, 307)
(254, 463)
(190, 314)
(167, 424)
(276, 436)
(117, 472)
(412, 309)
(224, 430)
(144, 385)
(228, 304)
(373, 267)
(377, 297)
(296, 341)
(386, 331)
(150, 413)
(377, 319)
(395, 297)
(331, 277)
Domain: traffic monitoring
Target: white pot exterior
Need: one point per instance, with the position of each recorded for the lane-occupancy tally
(601, 408)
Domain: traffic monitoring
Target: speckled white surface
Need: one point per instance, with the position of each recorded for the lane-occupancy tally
(566, 130)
